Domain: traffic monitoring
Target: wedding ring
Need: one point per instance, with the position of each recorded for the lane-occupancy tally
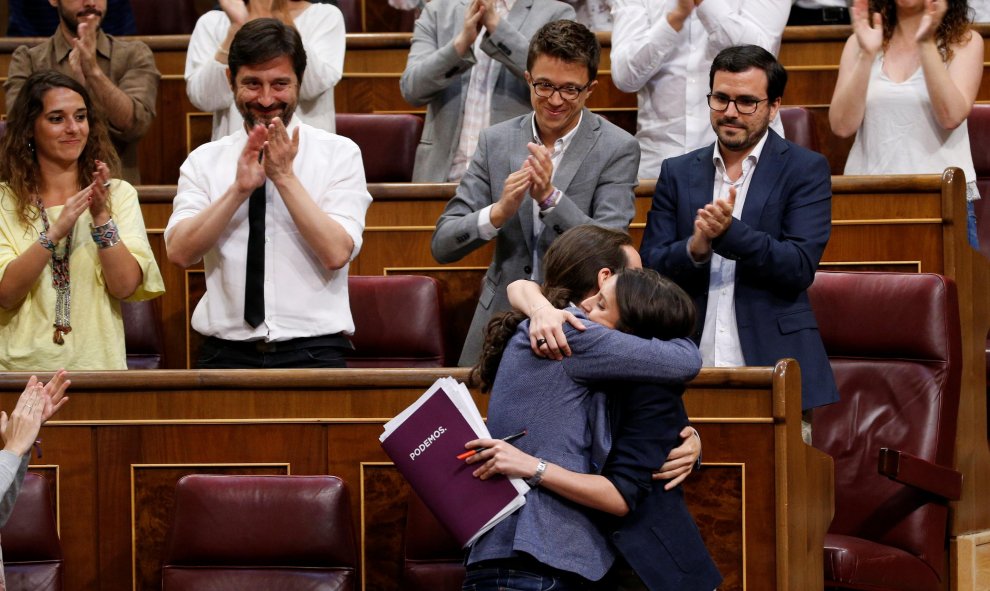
(541, 342)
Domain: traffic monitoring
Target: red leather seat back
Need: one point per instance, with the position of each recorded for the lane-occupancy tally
(433, 559)
(352, 15)
(397, 321)
(894, 343)
(142, 334)
(260, 532)
(387, 141)
(799, 127)
(32, 554)
(154, 17)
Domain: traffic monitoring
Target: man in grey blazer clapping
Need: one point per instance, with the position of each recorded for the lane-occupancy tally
(537, 175)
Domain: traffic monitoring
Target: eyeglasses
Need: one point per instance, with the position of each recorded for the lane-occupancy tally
(568, 92)
(744, 104)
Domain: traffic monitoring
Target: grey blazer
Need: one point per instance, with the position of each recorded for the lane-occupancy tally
(597, 176)
(437, 76)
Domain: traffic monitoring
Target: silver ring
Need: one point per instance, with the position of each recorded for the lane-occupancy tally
(106, 184)
(541, 342)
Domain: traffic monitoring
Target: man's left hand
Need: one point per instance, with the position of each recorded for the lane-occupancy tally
(280, 151)
(540, 168)
(490, 19)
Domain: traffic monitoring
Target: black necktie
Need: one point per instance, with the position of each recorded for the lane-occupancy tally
(254, 281)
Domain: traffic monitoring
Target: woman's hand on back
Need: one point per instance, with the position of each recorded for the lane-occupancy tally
(681, 460)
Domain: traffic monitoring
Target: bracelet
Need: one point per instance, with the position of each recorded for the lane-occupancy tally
(550, 201)
(45, 241)
(537, 477)
(105, 235)
(538, 308)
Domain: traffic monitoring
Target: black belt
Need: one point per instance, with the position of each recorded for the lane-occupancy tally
(330, 340)
(828, 15)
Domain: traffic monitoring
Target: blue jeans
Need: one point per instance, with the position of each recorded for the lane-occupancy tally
(974, 240)
(507, 579)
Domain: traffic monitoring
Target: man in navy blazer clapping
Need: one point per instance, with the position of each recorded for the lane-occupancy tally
(742, 224)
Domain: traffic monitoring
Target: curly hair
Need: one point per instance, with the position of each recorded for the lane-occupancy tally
(953, 30)
(19, 167)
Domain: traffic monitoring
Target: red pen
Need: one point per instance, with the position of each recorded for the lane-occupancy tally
(476, 450)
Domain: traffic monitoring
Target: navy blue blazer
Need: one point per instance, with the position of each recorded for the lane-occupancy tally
(658, 537)
(777, 244)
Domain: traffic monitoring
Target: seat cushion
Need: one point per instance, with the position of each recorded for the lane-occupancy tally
(868, 565)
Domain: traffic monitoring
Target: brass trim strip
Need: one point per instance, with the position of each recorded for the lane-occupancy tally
(887, 222)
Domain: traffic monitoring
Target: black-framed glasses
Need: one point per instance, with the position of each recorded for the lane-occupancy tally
(567, 92)
(746, 105)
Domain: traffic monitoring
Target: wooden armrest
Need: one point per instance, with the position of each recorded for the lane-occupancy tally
(922, 474)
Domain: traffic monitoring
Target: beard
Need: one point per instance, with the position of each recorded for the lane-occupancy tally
(71, 21)
(745, 136)
(283, 111)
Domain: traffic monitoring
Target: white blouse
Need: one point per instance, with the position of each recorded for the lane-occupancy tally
(899, 133)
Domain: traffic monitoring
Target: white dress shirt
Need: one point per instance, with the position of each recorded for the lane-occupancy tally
(302, 298)
(720, 346)
(477, 100)
(321, 27)
(669, 70)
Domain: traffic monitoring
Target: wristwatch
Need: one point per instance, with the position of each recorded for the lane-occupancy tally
(534, 480)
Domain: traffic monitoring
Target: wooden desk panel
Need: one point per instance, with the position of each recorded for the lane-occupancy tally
(763, 502)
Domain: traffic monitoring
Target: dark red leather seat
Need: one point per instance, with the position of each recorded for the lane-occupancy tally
(894, 343)
(387, 141)
(397, 321)
(433, 559)
(231, 533)
(175, 17)
(32, 555)
(142, 335)
(351, 9)
(799, 127)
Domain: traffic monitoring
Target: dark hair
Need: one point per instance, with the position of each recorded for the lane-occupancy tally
(954, 28)
(652, 306)
(570, 271)
(567, 41)
(264, 39)
(743, 57)
(572, 262)
(19, 165)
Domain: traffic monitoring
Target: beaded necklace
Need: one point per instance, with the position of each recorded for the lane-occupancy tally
(60, 281)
